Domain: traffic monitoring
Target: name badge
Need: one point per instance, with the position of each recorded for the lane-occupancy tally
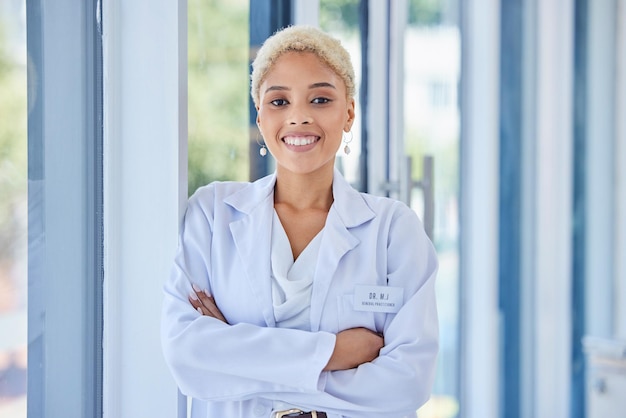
(378, 298)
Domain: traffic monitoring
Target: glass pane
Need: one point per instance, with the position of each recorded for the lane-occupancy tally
(340, 18)
(13, 209)
(218, 83)
(432, 128)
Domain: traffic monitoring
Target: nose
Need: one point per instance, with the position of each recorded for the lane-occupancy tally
(299, 115)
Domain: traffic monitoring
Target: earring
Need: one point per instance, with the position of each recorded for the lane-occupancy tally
(347, 141)
(263, 149)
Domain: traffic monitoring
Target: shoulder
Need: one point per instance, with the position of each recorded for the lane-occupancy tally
(228, 198)
(387, 207)
(393, 219)
(217, 190)
(362, 209)
(354, 202)
(382, 203)
(208, 199)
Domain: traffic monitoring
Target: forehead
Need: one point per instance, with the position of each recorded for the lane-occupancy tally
(292, 67)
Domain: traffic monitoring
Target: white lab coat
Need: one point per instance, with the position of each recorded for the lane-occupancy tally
(248, 367)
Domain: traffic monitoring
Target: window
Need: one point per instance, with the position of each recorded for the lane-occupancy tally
(218, 39)
(432, 70)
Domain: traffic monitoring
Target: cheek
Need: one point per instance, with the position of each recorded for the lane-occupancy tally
(339, 124)
(265, 121)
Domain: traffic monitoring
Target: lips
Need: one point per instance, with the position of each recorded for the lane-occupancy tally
(299, 141)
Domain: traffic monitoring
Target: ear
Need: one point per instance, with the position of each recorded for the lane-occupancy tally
(351, 114)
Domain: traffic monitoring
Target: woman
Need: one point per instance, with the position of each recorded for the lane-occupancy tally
(296, 295)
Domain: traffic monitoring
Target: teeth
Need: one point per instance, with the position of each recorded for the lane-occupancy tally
(300, 140)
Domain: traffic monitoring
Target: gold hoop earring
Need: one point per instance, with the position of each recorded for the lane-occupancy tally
(347, 141)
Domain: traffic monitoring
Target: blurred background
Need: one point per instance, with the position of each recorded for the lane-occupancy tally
(13, 209)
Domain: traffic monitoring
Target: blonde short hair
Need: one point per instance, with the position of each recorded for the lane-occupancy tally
(302, 39)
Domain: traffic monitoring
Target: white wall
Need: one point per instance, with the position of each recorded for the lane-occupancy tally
(145, 183)
(480, 385)
(552, 201)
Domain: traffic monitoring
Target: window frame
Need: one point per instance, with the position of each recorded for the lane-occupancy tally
(480, 378)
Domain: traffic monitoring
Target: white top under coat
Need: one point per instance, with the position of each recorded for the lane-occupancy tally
(292, 281)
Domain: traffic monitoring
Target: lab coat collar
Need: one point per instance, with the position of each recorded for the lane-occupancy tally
(349, 204)
(251, 196)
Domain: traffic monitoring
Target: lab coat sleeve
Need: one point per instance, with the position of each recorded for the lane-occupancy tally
(211, 360)
(400, 380)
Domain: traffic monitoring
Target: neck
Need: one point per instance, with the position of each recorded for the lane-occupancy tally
(304, 191)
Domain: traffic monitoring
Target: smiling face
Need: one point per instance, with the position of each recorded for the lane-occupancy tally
(302, 114)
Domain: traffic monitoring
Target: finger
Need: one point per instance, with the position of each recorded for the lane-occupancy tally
(209, 304)
(204, 300)
(194, 300)
(197, 290)
(199, 298)
(215, 311)
(197, 304)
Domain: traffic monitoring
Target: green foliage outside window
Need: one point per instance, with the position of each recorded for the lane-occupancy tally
(425, 12)
(218, 88)
(339, 15)
(346, 13)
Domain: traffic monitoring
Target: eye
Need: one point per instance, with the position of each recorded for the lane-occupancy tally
(320, 100)
(279, 102)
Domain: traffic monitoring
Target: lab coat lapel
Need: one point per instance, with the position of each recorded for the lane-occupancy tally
(349, 210)
(252, 235)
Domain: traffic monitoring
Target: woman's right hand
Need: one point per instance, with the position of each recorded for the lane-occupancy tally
(205, 304)
(354, 347)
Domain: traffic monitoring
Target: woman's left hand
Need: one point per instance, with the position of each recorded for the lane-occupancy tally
(205, 304)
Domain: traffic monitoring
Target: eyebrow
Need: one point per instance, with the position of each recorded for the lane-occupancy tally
(322, 84)
(311, 86)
